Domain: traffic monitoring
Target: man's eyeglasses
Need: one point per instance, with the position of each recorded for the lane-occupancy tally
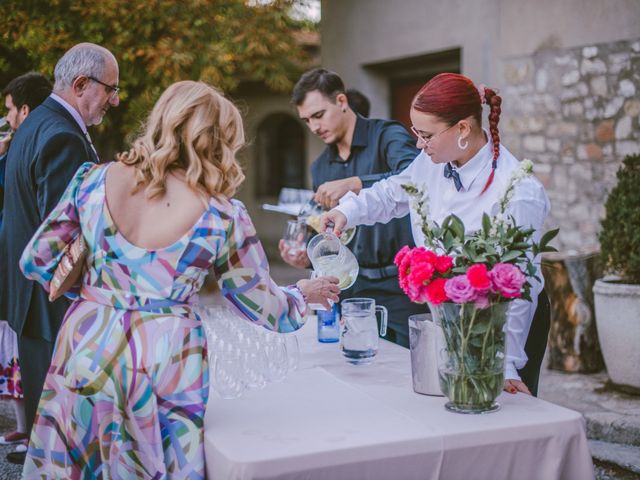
(428, 139)
(114, 90)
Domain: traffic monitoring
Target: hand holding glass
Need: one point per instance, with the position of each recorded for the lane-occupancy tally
(295, 237)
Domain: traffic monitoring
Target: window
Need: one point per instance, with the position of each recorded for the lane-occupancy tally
(406, 76)
(280, 154)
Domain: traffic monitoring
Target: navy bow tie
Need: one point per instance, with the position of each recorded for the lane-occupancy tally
(450, 172)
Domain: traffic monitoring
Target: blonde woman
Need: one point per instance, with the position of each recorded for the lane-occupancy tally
(127, 388)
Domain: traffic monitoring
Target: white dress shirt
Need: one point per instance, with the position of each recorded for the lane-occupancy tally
(529, 206)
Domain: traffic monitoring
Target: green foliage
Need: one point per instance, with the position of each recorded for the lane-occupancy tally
(620, 235)
(157, 42)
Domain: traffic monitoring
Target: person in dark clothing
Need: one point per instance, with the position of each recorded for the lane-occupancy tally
(359, 153)
(45, 152)
(21, 96)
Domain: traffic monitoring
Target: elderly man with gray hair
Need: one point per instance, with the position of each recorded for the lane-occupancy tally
(45, 152)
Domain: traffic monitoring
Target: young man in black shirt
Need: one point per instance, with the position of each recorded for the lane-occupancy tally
(360, 151)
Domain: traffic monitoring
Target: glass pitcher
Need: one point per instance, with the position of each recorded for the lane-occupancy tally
(330, 257)
(360, 329)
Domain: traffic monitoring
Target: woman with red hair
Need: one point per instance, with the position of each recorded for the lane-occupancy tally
(465, 170)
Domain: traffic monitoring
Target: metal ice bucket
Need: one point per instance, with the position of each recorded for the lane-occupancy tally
(425, 339)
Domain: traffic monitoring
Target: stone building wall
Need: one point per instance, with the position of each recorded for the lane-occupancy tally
(575, 114)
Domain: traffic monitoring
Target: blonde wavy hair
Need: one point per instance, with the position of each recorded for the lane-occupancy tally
(194, 129)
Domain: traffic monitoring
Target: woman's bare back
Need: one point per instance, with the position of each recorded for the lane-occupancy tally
(155, 223)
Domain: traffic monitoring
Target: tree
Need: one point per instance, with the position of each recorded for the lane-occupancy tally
(157, 42)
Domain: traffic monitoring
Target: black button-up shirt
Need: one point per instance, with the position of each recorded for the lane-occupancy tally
(379, 149)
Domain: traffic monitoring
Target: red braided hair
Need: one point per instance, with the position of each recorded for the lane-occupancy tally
(452, 97)
(494, 101)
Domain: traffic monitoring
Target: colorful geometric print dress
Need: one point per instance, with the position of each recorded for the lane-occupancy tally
(125, 394)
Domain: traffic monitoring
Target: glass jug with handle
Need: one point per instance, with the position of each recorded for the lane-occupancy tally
(330, 257)
(360, 329)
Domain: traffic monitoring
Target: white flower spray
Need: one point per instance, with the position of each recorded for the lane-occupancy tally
(419, 202)
(525, 170)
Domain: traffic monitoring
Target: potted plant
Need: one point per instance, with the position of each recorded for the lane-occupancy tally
(617, 297)
(469, 279)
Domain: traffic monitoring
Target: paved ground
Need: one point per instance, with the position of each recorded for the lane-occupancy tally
(613, 418)
(7, 424)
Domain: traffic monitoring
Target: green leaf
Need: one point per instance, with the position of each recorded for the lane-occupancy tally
(512, 255)
(457, 226)
(447, 242)
(480, 327)
(531, 269)
(486, 223)
(490, 250)
(547, 237)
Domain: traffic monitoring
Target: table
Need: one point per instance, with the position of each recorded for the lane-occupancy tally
(333, 420)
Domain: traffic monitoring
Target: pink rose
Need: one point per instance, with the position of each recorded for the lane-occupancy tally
(444, 263)
(403, 273)
(421, 273)
(422, 255)
(479, 277)
(507, 280)
(416, 293)
(435, 291)
(459, 290)
(402, 253)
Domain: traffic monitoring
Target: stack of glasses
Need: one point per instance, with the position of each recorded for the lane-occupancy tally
(243, 356)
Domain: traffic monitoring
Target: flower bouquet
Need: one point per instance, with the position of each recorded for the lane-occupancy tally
(469, 279)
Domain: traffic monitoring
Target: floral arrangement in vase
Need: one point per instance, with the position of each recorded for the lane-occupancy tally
(469, 279)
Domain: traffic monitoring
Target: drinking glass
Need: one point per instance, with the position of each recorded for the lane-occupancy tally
(277, 361)
(5, 128)
(293, 351)
(254, 369)
(227, 371)
(295, 236)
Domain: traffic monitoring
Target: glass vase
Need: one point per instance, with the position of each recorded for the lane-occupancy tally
(471, 365)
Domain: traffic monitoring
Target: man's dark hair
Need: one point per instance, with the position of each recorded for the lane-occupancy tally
(358, 102)
(29, 89)
(328, 83)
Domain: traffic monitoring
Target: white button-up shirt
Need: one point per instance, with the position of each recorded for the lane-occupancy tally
(529, 206)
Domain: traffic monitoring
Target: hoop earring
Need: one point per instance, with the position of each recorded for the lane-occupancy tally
(462, 146)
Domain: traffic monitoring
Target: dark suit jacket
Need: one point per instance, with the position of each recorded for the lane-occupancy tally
(45, 152)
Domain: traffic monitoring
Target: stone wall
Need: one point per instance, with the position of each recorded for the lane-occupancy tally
(575, 114)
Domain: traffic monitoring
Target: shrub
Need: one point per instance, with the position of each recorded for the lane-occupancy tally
(620, 235)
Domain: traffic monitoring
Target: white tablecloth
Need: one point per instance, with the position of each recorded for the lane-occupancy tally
(333, 420)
